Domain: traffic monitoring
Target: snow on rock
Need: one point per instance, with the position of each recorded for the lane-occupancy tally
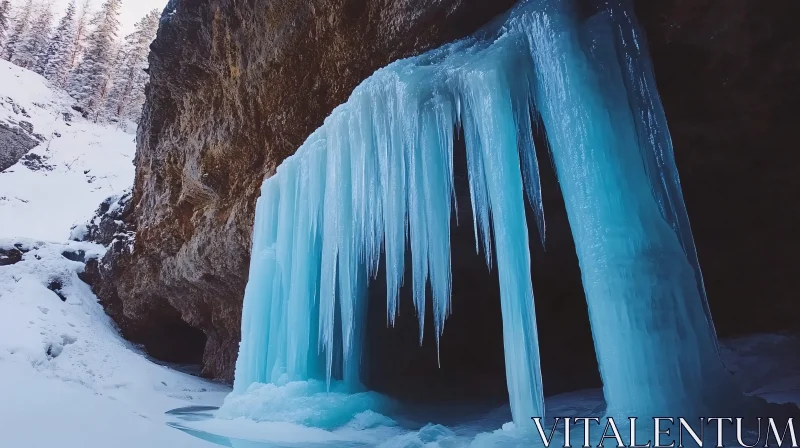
(108, 223)
(62, 362)
(76, 165)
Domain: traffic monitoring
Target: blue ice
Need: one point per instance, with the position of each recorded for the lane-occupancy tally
(377, 177)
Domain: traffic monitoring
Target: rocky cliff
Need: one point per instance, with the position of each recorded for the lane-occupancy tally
(237, 86)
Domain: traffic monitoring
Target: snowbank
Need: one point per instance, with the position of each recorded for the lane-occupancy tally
(66, 377)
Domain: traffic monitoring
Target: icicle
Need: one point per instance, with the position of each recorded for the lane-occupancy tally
(391, 163)
(477, 189)
(251, 363)
(411, 113)
(522, 98)
(489, 94)
(367, 186)
(437, 173)
(303, 312)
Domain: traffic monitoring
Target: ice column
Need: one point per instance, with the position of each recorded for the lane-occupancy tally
(652, 331)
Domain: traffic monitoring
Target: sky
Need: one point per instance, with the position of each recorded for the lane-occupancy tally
(132, 10)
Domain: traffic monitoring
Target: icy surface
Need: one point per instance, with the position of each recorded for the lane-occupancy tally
(377, 177)
(761, 364)
(308, 403)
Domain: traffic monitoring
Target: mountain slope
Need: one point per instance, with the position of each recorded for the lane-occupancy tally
(74, 165)
(67, 378)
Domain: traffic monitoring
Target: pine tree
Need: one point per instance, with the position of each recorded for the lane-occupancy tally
(5, 11)
(90, 82)
(127, 94)
(21, 25)
(79, 37)
(57, 57)
(34, 43)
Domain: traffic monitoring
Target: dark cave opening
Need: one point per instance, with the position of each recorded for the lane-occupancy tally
(173, 340)
(472, 363)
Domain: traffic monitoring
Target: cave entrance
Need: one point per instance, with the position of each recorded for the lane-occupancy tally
(470, 365)
(171, 340)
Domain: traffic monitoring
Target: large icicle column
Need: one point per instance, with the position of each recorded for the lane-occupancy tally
(653, 333)
(377, 177)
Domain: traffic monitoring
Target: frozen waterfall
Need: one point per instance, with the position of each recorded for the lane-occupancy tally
(377, 177)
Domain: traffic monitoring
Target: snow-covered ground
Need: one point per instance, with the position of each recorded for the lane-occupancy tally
(67, 378)
(79, 164)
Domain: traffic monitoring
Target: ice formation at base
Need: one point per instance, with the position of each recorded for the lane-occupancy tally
(377, 177)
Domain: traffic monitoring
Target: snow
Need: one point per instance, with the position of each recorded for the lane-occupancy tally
(86, 164)
(67, 378)
(64, 366)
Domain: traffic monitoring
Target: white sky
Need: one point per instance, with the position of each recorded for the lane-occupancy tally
(132, 10)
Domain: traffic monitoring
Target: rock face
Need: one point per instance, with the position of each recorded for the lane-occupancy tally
(162, 331)
(237, 86)
(15, 141)
(10, 255)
